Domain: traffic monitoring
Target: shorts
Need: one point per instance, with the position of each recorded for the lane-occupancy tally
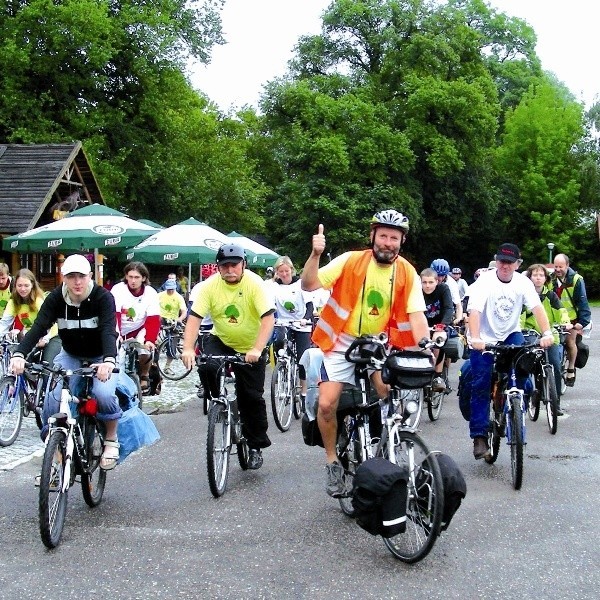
(335, 367)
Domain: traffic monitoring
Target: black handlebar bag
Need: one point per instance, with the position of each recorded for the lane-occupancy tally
(379, 497)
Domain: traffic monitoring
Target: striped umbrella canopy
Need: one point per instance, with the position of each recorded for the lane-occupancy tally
(188, 242)
(94, 227)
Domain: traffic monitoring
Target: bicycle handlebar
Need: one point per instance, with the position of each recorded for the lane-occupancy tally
(232, 358)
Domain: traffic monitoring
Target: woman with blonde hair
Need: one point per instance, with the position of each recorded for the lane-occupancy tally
(22, 309)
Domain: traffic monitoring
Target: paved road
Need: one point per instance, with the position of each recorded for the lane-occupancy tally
(275, 534)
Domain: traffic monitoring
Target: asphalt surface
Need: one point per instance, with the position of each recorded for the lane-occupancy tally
(159, 533)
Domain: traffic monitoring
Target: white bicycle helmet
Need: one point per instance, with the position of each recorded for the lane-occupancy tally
(390, 218)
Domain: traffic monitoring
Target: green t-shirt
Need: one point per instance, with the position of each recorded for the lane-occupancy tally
(236, 310)
(171, 305)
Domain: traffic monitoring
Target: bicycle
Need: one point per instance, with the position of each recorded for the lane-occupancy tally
(399, 442)
(169, 350)
(285, 380)
(129, 361)
(224, 426)
(19, 396)
(544, 388)
(434, 399)
(508, 406)
(73, 447)
(8, 343)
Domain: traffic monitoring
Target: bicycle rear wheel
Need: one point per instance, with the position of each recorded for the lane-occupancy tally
(517, 424)
(350, 455)
(176, 370)
(281, 396)
(297, 405)
(496, 431)
(435, 400)
(533, 407)
(218, 448)
(550, 398)
(52, 498)
(425, 499)
(93, 478)
(11, 411)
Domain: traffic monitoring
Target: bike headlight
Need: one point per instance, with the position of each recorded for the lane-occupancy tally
(411, 407)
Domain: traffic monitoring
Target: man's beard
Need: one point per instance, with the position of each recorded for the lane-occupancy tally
(384, 257)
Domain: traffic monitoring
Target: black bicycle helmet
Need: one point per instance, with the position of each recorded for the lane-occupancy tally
(230, 253)
(390, 218)
(440, 266)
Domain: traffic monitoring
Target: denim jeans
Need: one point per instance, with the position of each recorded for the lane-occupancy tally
(481, 368)
(102, 391)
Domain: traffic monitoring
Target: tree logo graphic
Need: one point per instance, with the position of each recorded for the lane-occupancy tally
(232, 313)
(130, 313)
(289, 306)
(375, 302)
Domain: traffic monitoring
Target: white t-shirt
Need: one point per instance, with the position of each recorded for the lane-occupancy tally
(133, 310)
(463, 286)
(289, 299)
(451, 283)
(500, 304)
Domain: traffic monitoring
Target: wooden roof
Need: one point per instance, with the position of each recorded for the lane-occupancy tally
(37, 179)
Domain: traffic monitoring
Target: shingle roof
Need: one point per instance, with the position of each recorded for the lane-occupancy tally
(36, 176)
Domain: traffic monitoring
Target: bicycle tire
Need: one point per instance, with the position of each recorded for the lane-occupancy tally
(425, 499)
(140, 395)
(533, 406)
(40, 395)
(551, 399)
(177, 370)
(564, 364)
(11, 411)
(93, 478)
(243, 453)
(281, 396)
(52, 498)
(297, 405)
(516, 442)
(350, 457)
(436, 399)
(218, 448)
(495, 433)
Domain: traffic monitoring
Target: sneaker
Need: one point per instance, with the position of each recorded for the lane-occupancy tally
(255, 459)
(560, 412)
(480, 448)
(438, 385)
(336, 482)
(168, 371)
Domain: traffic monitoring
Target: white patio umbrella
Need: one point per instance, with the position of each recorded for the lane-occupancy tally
(258, 255)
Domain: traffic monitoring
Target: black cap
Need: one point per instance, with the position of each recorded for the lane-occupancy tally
(508, 253)
(230, 254)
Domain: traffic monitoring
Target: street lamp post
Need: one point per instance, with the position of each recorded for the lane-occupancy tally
(550, 248)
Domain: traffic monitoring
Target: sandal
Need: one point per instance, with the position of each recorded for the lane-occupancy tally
(144, 379)
(110, 455)
(570, 381)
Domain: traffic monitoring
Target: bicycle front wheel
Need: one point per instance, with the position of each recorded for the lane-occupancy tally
(93, 478)
(281, 396)
(11, 411)
(550, 398)
(218, 448)
(435, 400)
(53, 498)
(350, 455)
(517, 424)
(169, 361)
(533, 407)
(297, 404)
(425, 499)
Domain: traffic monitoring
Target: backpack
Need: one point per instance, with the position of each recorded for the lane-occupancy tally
(465, 389)
(155, 379)
(379, 496)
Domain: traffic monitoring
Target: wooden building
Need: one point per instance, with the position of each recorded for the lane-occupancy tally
(40, 183)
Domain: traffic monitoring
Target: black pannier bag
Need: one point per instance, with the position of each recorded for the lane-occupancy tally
(379, 497)
(408, 370)
(583, 353)
(455, 487)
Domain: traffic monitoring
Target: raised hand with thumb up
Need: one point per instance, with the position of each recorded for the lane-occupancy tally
(318, 241)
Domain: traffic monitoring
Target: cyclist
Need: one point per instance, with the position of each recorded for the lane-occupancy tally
(85, 315)
(172, 309)
(439, 309)
(442, 268)
(5, 289)
(138, 314)
(22, 310)
(243, 318)
(570, 288)
(291, 304)
(372, 291)
(495, 303)
(170, 277)
(557, 315)
(456, 274)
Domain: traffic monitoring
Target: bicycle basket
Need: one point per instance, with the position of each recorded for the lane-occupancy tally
(408, 370)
